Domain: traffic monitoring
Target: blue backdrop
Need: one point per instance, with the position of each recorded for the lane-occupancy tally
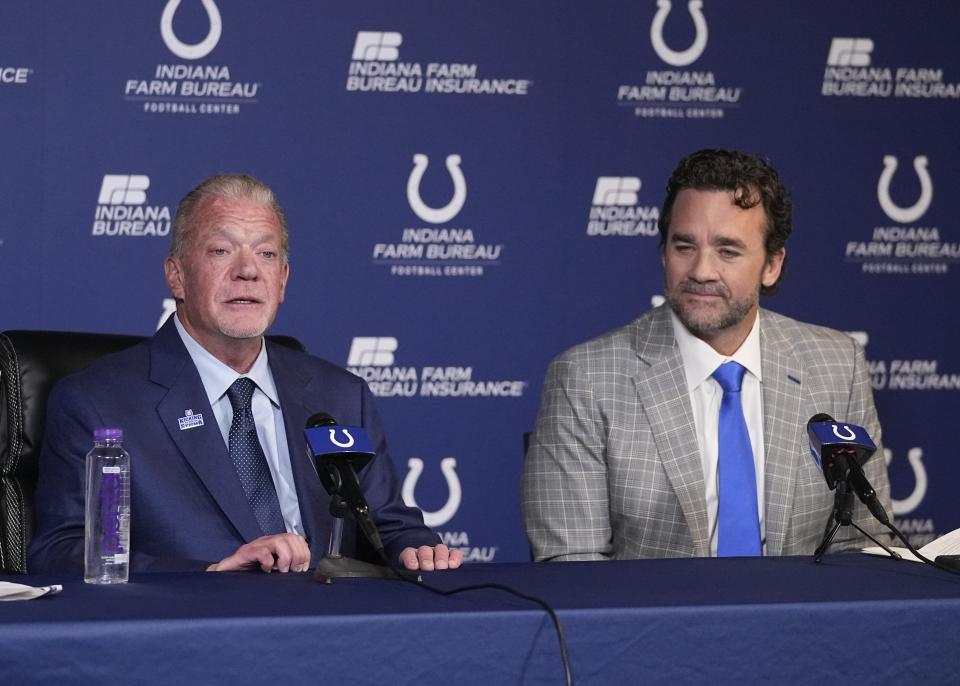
(473, 187)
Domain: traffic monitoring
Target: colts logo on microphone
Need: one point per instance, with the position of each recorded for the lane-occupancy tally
(443, 214)
(672, 57)
(454, 493)
(905, 215)
(325, 440)
(844, 434)
(193, 51)
(347, 443)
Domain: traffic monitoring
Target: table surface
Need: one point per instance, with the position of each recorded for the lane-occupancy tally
(669, 621)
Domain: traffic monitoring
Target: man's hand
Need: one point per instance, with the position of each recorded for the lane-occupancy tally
(428, 559)
(278, 552)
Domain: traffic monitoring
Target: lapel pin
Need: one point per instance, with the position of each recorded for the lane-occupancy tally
(190, 420)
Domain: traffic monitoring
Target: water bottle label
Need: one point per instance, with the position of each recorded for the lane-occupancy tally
(111, 470)
(110, 512)
(119, 558)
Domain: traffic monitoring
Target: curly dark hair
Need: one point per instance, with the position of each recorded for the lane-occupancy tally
(753, 181)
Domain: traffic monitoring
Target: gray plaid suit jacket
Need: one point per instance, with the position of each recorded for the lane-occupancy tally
(614, 471)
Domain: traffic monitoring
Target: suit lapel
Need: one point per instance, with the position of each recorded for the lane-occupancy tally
(203, 446)
(782, 429)
(662, 390)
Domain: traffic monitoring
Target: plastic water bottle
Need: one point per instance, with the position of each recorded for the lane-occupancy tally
(106, 554)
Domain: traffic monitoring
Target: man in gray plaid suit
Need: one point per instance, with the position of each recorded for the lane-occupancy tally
(624, 459)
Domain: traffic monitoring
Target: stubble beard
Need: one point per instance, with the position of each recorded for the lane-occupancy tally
(230, 332)
(244, 332)
(710, 320)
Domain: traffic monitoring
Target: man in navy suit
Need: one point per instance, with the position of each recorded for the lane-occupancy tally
(174, 397)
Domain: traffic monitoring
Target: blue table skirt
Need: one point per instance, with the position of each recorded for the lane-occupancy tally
(776, 620)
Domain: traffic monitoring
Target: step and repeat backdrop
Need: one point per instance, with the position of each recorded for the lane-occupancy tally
(473, 187)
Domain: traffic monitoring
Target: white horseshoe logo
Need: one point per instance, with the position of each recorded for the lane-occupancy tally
(169, 307)
(905, 215)
(442, 214)
(454, 494)
(691, 54)
(197, 50)
(843, 437)
(346, 444)
(910, 503)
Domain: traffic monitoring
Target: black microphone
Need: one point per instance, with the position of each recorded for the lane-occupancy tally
(840, 450)
(339, 453)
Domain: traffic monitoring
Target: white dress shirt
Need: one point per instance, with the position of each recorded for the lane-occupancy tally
(267, 415)
(699, 363)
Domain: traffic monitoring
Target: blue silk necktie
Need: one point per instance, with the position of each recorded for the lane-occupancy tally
(738, 526)
(249, 460)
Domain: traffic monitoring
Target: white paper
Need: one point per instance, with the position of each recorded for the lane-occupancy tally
(12, 591)
(948, 544)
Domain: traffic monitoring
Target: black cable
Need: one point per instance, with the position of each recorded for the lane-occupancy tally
(564, 655)
(417, 580)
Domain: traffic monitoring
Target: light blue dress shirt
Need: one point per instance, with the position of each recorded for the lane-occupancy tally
(267, 415)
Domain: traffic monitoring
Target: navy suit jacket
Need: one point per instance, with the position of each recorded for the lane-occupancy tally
(188, 508)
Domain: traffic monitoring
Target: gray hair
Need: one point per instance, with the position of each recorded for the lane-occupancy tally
(226, 186)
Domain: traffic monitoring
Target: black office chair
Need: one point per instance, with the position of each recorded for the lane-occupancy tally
(31, 362)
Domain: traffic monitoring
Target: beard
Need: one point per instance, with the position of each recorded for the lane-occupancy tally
(704, 320)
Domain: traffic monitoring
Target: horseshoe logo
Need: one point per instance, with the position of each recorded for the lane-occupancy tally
(910, 503)
(691, 54)
(454, 494)
(197, 50)
(844, 437)
(169, 307)
(346, 444)
(905, 215)
(452, 208)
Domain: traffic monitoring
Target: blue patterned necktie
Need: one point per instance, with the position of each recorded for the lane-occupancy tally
(738, 526)
(249, 460)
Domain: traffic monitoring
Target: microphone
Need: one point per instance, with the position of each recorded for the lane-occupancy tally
(834, 446)
(840, 450)
(339, 453)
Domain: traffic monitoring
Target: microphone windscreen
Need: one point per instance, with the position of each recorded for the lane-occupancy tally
(319, 419)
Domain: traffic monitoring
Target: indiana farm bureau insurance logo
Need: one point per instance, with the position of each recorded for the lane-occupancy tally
(14, 76)
(373, 359)
(376, 67)
(617, 211)
(851, 73)
(123, 210)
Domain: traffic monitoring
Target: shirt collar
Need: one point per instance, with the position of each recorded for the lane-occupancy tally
(700, 360)
(218, 377)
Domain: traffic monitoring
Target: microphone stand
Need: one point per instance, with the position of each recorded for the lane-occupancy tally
(843, 502)
(333, 565)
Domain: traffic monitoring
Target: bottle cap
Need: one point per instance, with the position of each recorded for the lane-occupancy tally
(109, 434)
